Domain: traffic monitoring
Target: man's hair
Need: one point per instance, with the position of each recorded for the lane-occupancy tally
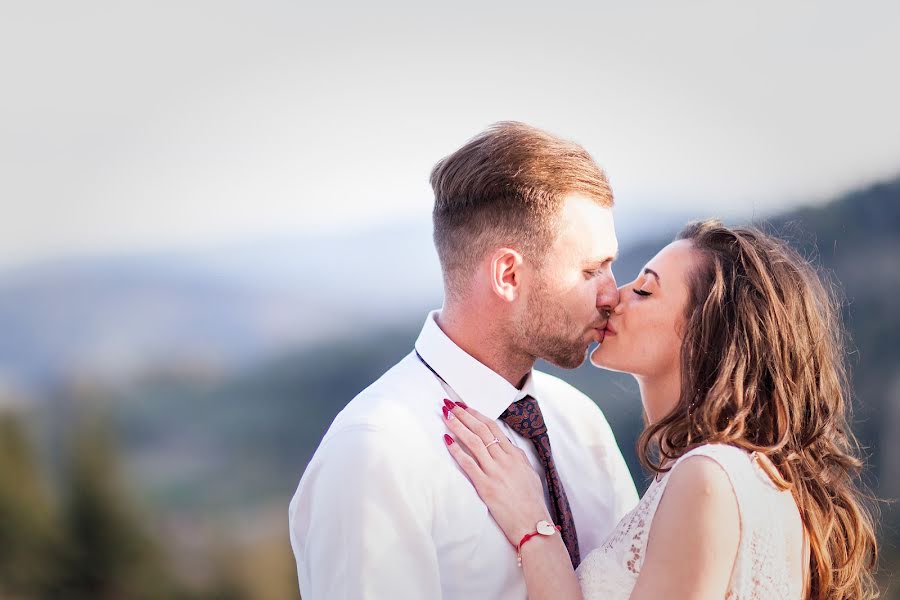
(505, 187)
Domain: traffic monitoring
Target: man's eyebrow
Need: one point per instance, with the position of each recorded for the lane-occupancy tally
(601, 260)
(649, 271)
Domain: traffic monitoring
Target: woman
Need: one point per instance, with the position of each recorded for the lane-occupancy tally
(736, 346)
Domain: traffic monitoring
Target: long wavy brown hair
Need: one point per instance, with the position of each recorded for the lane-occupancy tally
(763, 369)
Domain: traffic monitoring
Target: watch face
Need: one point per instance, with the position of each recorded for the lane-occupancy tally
(545, 528)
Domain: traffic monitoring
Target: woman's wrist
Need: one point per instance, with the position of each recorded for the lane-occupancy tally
(538, 546)
(529, 524)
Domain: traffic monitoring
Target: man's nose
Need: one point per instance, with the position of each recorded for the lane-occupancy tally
(608, 295)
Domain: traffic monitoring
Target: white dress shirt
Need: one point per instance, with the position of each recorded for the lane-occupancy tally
(383, 510)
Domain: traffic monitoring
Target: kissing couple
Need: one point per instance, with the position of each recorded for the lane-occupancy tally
(464, 473)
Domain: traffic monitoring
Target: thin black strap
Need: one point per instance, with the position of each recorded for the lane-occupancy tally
(430, 368)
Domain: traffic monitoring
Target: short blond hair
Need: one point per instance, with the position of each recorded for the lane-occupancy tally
(506, 186)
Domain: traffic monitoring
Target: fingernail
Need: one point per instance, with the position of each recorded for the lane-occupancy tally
(463, 404)
(448, 440)
(450, 405)
(447, 414)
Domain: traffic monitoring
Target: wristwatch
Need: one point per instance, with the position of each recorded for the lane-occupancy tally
(545, 528)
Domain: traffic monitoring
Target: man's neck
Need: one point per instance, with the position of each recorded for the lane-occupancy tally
(481, 339)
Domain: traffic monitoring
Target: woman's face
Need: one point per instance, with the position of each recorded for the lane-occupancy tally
(645, 330)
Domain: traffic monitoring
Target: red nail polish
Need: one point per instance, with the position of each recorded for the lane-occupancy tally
(448, 440)
(450, 405)
(462, 404)
(446, 411)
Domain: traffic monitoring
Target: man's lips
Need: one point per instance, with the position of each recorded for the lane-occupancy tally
(604, 330)
(600, 330)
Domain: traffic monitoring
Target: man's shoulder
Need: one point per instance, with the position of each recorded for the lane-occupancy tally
(396, 403)
(391, 396)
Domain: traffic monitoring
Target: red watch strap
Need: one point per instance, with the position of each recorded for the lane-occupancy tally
(524, 539)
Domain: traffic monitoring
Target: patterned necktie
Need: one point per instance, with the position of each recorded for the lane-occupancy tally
(525, 418)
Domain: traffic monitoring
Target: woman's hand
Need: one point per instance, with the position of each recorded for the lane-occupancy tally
(499, 470)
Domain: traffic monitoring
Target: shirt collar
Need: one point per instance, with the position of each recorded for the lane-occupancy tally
(475, 384)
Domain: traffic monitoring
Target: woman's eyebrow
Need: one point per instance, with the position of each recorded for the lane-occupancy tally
(649, 271)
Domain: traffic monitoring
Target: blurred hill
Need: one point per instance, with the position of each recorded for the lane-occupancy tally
(218, 309)
(857, 240)
(215, 452)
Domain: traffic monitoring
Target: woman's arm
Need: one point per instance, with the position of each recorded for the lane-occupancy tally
(513, 493)
(694, 536)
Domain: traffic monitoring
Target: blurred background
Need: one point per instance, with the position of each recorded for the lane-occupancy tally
(216, 230)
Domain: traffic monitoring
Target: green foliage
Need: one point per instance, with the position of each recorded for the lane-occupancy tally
(109, 554)
(93, 545)
(28, 537)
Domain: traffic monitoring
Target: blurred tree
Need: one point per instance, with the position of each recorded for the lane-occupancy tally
(110, 553)
(28, 539)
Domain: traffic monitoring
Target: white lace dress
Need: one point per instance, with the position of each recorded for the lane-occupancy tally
(761, 567)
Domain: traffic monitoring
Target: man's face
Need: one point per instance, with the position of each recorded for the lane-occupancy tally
(569, 296)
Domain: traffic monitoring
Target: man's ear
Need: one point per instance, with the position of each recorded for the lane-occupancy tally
(506, 273)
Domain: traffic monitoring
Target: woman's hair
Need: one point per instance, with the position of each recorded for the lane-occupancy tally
(762, 364)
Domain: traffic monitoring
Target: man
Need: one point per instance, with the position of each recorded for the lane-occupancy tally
(524, 232)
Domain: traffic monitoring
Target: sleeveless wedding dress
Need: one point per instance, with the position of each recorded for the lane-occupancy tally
(761, 569)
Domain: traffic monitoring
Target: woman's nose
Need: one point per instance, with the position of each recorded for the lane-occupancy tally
(620, 306)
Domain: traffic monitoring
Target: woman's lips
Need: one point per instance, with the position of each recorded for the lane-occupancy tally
(604, 331)
(608, 330)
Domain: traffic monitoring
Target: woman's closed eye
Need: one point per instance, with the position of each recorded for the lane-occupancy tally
(641, 292)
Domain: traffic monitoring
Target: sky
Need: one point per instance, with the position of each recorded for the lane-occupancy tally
(139, 126)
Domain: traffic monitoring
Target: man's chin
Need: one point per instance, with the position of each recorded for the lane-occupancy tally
(568, 361)
(567, 365)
